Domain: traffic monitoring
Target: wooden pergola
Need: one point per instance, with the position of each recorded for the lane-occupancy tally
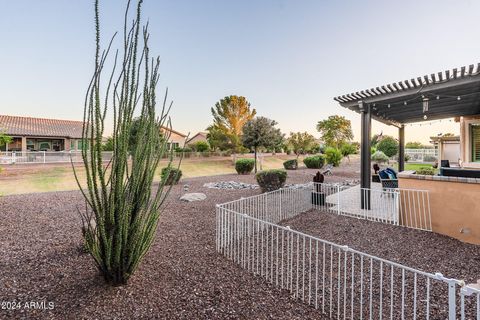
(447, 94)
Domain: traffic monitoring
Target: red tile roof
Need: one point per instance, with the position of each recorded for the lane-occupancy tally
(27, 126)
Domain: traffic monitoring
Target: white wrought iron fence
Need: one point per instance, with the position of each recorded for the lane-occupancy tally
(422, 155)
(404, 207)
(12, 157)
(340, 281)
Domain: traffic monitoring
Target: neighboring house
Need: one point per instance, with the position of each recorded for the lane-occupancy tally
(448, 148)
(200, 136)
(37, 134)
(469, 141)
(176, 139)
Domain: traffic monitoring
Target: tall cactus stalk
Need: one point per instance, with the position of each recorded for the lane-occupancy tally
(122, 207)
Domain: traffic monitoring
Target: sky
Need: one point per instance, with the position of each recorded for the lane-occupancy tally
(289, 58)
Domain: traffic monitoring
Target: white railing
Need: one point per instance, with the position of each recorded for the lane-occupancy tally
(403, 207)
(338, 280)
(422, 155)
(19, 157)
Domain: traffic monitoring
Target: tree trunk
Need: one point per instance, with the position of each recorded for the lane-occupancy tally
(255, 150)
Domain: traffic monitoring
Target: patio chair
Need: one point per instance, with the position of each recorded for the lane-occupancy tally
(388, 179)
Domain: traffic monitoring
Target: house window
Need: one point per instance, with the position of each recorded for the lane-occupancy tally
(475, 134)
(44, 145)
(73, 144)
(82, 144)
(30, 145)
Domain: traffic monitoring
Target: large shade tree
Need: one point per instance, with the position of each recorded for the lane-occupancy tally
(260, 132)
(229, 116)
(335, 130)
(300, 142)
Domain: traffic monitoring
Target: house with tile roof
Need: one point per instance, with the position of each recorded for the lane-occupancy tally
(39, 134)
(200, 136)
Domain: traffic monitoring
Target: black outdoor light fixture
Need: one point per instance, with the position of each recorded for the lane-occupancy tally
(425, 104)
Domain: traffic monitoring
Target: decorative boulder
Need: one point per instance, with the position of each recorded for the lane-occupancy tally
(190, 197)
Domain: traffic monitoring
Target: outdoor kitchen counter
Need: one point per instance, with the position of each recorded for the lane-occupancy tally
(454, 203)
(413, 175)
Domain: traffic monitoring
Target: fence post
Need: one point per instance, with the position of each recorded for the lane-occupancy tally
(14, 157)
(338, 199)
(452, 306)
(44, 160)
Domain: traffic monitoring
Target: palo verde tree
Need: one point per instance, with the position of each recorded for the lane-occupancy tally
(122, 209)
(300, 142)
(335, 131)
(260, 132)
(229, 116)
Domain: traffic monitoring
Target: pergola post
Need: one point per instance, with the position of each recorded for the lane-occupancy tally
(401, 148)
(365, 160)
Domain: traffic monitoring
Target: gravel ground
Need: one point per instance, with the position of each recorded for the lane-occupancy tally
(182, 277)
(426, 251)
(433, 252)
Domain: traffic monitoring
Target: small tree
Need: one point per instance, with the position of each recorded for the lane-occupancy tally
(347, 149)
(414, 145)
(388, 145)
(4, 139)
(260, 132)
(200, 146)
(122, 209)
(230, 114)
(335, 130)
(300, 142)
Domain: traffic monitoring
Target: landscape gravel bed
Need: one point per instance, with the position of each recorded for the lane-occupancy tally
(424, 250)
(182, 277)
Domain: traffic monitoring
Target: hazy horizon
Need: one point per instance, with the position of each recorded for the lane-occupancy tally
(288, 58)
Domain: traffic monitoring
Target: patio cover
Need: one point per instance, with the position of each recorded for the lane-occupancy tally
(450, 93)
(447, 94)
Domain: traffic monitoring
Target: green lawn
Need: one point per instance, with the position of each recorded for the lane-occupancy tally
(61, 178)
(416, 166)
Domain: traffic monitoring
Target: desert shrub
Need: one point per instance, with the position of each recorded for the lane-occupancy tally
(333, 156)
(373, 150)
(244, 166)
(314, 162)
(270, 180)
(428, 171)
(291, 164)
(315, 148)
(388, 145)
(347, 149)
(379, 157)
(122, 207)
(201, 146)
(171, 175)
(288, 151)
(429, 158)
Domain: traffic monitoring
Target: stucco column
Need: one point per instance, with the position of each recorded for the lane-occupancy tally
(24, 144)
(66, 144)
